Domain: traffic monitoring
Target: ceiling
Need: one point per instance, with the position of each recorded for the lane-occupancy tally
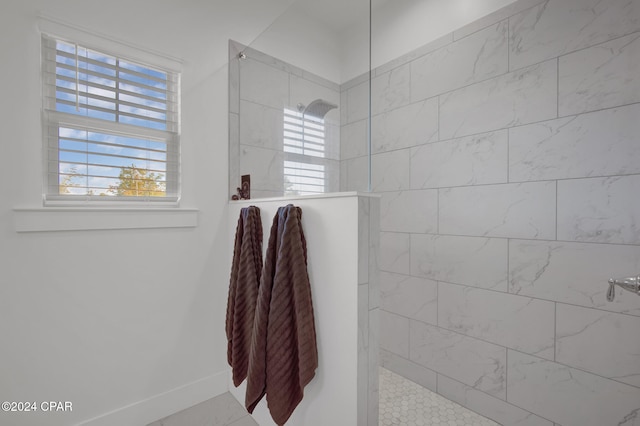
(337, 14)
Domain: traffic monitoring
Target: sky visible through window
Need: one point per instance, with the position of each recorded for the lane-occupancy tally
(104, 87)
(92, 163)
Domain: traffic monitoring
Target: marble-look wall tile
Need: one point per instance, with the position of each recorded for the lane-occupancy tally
(266, 193)
(394, 333)
(303, 91)
(409, 211)
(256, 55)
(332, 140)
(557, 27)
(391, 89)
(603, 343)
(516, 322)
(262, 126)
(473, 261)
(410, 125)
(343, 176)
(363, 326)
(263, 84)
(234, 153)
(520, 97)
(569, 396)
(602, 76)
(474, 58)
(363, 356)
(265, 167)
(473, 362)
(234, 78)
(353, 140)
(412, 297)
(357, 102)
(499, 15)
(595, 144)
(420, 51)
(390, 170)
(524, 210)
(355, 174)
(471, 160)
(374, 253)
(373, 363)
(394, 252)
(344, 100)
(332, 175)
(412, 371)
(493, 408)
(599, 210)
(364, 224)
(574, 273)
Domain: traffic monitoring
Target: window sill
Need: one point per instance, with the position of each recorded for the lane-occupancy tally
(88, 219)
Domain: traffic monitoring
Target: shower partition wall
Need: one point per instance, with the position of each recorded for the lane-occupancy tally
(288, 107)
(285, 127)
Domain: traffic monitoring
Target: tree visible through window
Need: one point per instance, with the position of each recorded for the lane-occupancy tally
(111, 126)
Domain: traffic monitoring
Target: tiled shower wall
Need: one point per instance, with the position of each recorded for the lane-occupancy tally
(508, 158)
(260, 87)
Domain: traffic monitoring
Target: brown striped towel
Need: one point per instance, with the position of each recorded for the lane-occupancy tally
(284, 355)
(243, 291)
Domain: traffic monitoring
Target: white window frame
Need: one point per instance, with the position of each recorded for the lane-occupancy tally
(51, 119)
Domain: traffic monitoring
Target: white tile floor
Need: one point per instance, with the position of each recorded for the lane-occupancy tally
(403, 402)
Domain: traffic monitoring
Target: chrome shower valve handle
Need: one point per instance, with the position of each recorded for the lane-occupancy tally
(631, 284)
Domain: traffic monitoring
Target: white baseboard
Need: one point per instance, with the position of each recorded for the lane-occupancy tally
(162, 405)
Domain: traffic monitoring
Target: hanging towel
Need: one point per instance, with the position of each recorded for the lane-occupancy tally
(284, 355)
(243, 291)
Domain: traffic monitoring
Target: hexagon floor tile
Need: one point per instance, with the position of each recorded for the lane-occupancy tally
(405, 403)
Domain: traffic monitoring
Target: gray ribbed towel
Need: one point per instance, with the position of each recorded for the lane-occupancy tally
(243, 291)
(284, 355)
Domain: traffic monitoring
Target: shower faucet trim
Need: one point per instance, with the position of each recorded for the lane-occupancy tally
(631, 284)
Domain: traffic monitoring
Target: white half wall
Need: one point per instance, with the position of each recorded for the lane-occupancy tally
(331, 227)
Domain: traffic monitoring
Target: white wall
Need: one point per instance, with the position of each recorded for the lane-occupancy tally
(331, 230)
(301, 40)
(113, 319)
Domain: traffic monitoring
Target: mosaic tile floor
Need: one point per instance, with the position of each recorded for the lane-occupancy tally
(403, 402)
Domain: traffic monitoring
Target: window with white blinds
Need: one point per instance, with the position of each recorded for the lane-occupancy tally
(304, 150)
(111, 127)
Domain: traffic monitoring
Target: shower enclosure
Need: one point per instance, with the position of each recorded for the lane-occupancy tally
(290, 102)
(503, 138)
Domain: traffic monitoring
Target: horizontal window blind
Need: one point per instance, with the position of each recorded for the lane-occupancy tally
(111, 126)
(303, 134)
(304, 148)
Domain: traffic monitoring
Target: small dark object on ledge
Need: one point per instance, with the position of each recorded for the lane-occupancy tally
(244, 192)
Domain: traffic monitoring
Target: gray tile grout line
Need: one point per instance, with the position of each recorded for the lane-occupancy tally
(506, 348)
(457, 381)
(499, 237)
(555, 330)
(468, 286)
